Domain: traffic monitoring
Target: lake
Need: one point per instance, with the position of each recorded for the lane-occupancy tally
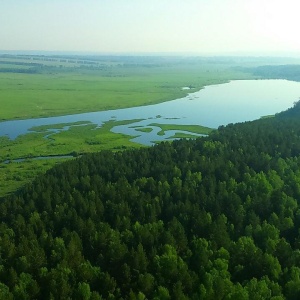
(232, 102)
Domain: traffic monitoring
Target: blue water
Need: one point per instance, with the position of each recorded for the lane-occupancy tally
(236, 101)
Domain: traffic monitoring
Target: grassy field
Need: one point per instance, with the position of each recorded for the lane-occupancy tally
(69, 90)
(42, 86)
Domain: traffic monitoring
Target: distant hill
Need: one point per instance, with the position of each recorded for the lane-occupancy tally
(212, 218)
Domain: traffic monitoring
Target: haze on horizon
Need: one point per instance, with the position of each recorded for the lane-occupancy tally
(158, 26)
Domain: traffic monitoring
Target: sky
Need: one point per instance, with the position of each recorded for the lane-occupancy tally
(157, 26)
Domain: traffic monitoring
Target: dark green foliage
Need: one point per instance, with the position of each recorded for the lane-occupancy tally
(212, 218)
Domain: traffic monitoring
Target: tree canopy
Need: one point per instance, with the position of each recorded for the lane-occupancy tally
(211, 218)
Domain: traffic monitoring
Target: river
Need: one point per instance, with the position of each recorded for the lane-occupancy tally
(235, 101)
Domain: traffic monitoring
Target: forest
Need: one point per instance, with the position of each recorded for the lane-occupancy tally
(216, 217)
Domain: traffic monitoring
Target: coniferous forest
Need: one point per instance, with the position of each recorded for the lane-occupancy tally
(211, 218)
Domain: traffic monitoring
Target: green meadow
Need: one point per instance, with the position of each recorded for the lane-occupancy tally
(41, 86)
(53, 91)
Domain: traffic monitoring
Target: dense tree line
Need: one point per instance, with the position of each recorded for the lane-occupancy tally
(211, 218)
(289, 72)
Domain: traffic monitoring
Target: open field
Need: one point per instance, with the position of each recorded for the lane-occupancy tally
(63, 90)
(26, 96)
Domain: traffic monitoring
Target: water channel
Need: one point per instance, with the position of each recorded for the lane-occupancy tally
(236, 101)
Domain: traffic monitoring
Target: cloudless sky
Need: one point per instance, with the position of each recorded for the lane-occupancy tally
(133, 26)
